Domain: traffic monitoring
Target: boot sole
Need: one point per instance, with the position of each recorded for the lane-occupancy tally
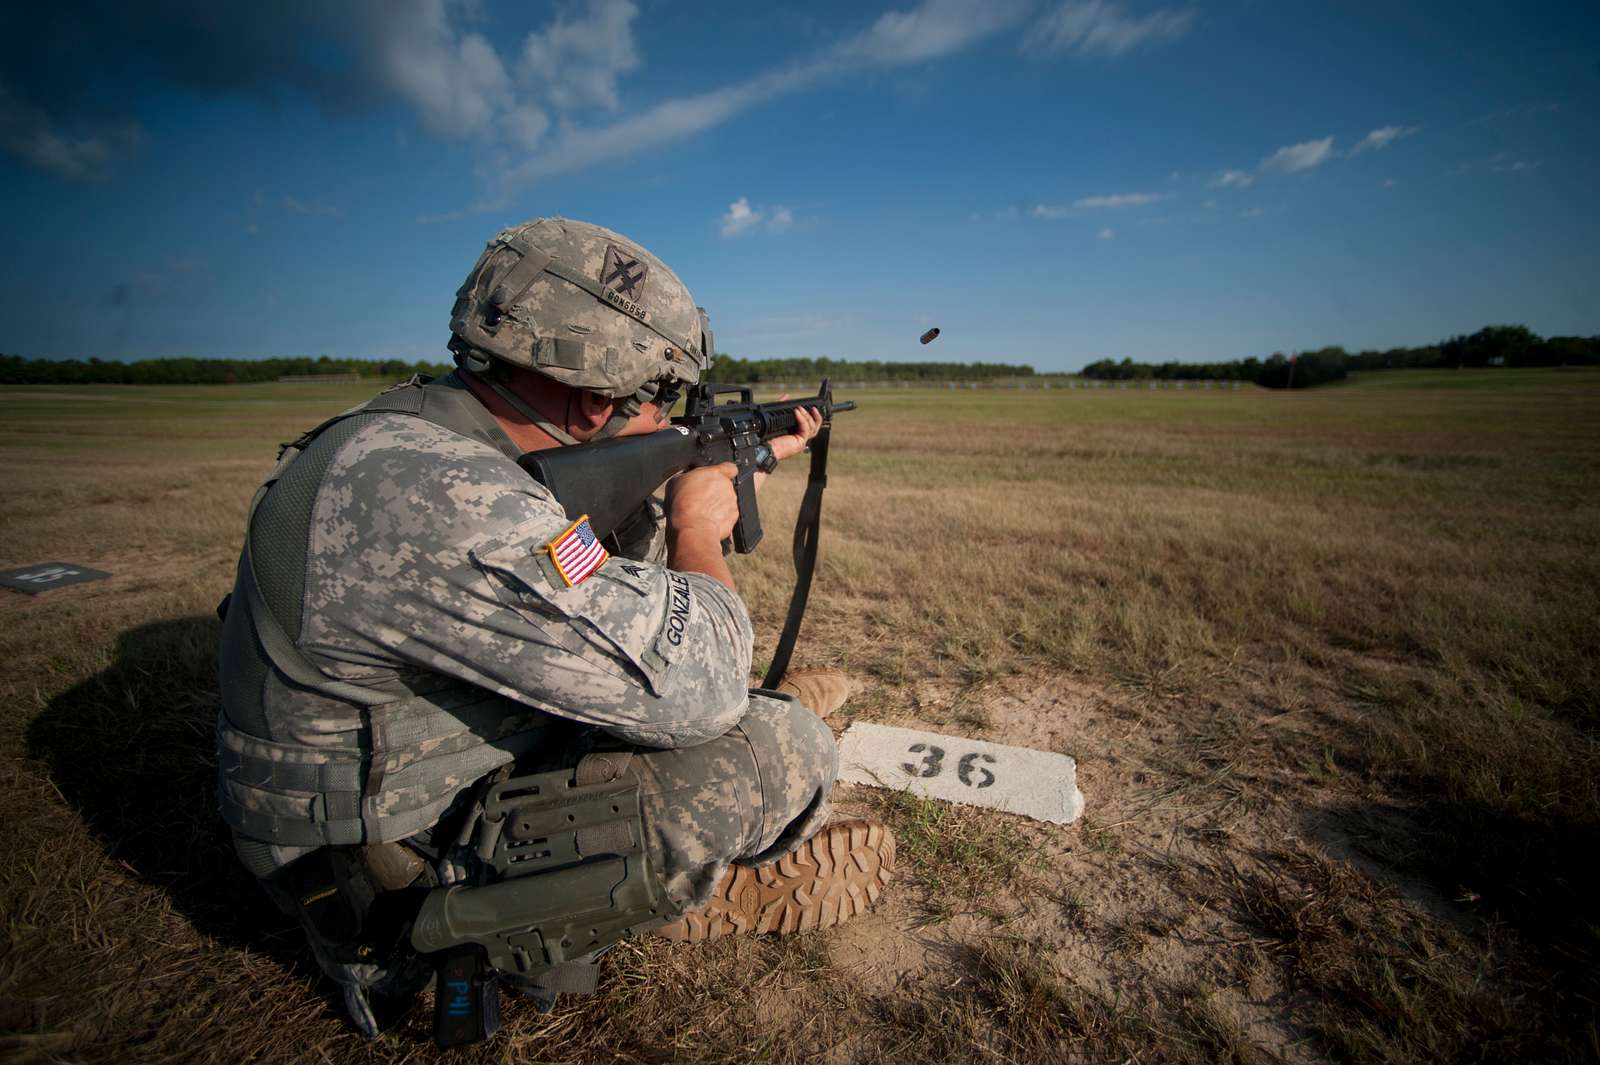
(831, 877)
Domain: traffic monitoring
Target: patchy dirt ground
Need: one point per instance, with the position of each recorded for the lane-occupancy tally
(1328, 665)
(1126, 898)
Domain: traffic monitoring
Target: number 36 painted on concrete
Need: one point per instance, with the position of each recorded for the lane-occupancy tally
(933, 764)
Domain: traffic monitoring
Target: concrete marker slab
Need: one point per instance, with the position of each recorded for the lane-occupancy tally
(1042, 785)
(48, 575)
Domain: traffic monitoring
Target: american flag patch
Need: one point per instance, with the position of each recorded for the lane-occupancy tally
(577, 552)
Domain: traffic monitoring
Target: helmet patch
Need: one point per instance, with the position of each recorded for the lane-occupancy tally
(623, 273)
(614, 293)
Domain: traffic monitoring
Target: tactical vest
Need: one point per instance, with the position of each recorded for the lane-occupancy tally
(337, 762)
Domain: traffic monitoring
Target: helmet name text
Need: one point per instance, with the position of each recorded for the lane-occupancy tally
(625, 305)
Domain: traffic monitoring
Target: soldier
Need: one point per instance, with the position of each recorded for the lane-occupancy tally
(423, 660)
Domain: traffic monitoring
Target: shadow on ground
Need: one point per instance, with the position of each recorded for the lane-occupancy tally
(131, 749)
(1535, 877)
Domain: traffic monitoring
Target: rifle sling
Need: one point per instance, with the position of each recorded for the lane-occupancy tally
(806, 530)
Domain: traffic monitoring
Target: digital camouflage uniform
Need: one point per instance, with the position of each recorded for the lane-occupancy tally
(417, 558)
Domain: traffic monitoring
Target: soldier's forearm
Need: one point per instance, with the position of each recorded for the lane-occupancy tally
(695, 551)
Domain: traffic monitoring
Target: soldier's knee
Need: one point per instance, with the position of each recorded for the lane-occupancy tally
(797, 760)
(750, 795)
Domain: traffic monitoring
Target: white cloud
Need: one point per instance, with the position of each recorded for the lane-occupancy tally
(460, 86)
(1382, 138)
(1306, 155)
(550, 103)
(1107, 233)
(420, 53)
(1123, 199)
(575, 63)
(456, 85)
(931, 29)
(1100, 27)
(741, 218)
(1388, 183)
(1054, 212)
(524, 126)
(1296, 157)
(576, 148)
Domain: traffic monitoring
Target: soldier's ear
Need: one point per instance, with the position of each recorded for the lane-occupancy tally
(592, 410)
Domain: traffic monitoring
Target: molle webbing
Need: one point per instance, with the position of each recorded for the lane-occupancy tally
(564, 353)
(342, 795)
(415, 749)
(445, 402)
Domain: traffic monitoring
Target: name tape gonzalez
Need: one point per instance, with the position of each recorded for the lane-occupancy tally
(1042, 785)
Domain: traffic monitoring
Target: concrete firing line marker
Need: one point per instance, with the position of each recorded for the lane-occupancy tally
(1037, 784)
(48, 575)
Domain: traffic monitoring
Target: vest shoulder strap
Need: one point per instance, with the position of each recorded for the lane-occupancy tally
(443, 401)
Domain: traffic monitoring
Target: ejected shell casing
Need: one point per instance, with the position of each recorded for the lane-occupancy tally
(930, 334)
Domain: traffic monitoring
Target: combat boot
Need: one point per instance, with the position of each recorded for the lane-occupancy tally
(823, 690)
(828, 879)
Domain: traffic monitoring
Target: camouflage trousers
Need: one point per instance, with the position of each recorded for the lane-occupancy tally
(751, 795)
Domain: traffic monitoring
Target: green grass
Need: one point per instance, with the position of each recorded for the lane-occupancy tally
(966, 860)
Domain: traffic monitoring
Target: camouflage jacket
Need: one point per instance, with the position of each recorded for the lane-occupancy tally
(417, 563)
(427, 551)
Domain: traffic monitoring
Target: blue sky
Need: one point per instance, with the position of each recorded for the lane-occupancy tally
(1048, 181)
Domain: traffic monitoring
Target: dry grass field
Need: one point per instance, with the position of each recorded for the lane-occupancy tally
(1330, 664)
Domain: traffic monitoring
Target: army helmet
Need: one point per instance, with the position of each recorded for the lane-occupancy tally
(583, 305)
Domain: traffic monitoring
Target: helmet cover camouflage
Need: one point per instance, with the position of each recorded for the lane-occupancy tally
(582, 305)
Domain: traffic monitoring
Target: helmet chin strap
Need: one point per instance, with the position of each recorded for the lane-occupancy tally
(622, 413)
(619, 418)
(550, 428)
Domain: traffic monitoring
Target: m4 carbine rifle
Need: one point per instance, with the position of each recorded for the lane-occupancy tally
(610, 480)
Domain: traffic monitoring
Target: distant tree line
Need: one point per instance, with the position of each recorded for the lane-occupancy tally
(15, 370)
(729, 370)
(1495, 345)
(1310, 368)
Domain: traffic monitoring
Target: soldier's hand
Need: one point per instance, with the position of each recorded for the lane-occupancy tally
(808, 422)
(702, 502)
(791, 444)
